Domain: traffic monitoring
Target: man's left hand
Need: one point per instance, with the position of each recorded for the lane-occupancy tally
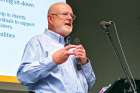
(80, 54)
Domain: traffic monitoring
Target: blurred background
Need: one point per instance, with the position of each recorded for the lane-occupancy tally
(126, 15)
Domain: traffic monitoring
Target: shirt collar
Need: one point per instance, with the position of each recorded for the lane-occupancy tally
(57, 37)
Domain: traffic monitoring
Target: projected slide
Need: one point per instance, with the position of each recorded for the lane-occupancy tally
(19, 21)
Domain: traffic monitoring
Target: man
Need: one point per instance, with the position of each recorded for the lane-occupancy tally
(48, 66)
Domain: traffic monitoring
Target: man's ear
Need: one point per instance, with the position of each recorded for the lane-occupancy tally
(50, 19)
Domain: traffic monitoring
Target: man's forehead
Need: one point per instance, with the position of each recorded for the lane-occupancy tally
(61, 7)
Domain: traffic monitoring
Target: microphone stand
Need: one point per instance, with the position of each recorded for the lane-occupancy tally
(124, 65)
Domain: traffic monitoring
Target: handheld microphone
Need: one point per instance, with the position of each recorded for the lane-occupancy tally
(77, 42)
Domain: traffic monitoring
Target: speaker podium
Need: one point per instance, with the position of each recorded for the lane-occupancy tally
(122, 86)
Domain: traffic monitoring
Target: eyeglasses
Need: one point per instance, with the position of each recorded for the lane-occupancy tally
(65, 15)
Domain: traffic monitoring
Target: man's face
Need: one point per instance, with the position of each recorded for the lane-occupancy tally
(61, 19)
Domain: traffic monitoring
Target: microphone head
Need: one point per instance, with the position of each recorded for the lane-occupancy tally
(105, 24)
(76, 41)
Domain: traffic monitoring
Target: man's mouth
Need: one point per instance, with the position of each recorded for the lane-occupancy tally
(68, 24)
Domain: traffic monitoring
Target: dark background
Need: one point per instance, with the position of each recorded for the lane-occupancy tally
(126, 15)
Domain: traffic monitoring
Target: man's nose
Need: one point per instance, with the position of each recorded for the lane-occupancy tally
(70, 16)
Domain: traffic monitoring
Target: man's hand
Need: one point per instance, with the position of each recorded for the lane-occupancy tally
(80, 54)
(61, 55)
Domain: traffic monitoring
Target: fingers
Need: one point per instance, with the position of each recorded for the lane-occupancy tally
(77, 50)
(70, 49)
(80, 54)
(70, 46)
(80, 51)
